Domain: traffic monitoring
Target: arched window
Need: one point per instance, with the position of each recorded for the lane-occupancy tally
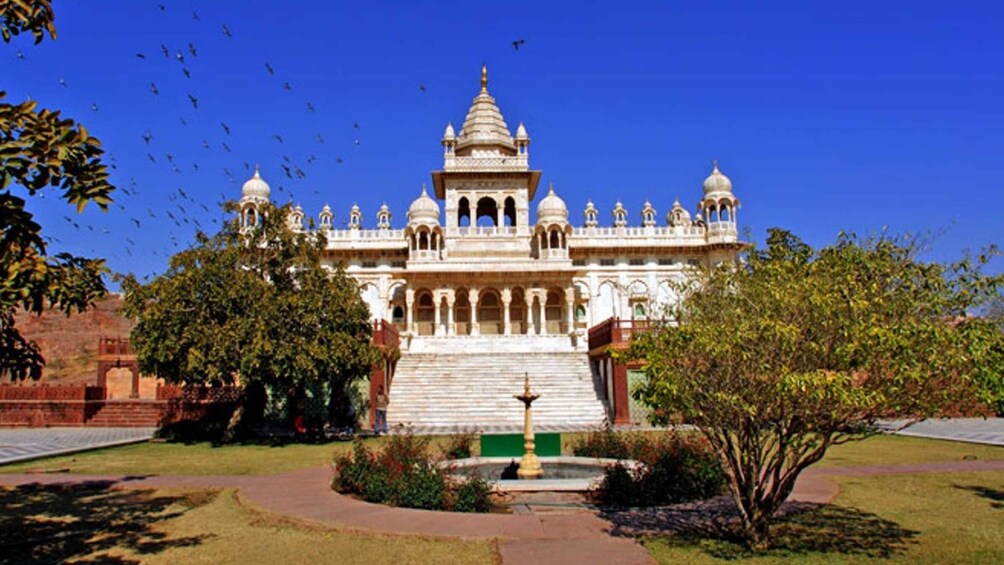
(397, 315)
(555, 240)
(509, 211)
(423, 241)
(463, 212)
(487, 208)
(580, 313)
(639, 310)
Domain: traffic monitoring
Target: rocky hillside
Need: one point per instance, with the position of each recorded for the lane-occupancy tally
(70, 344)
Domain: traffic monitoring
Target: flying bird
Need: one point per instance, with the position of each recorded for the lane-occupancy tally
(287, 86)
(277, 137)
(518, 43)
(226, 147)
(148, 137)
(153, 89)
(191, 49)
(421, 87)
(140, 56)
(181, 120)
(194, 101)
(20, 55)
(226, 31)
(205, 144)
(135, 221)
(319, 138)
(355, 125)
(94, 107)
(186, 72)
(151, 158)
(62, 82)
(226, 128)
(195, 15)
(269, 69)
(179, 57)
(163, 8)
(310, 107)
(339, 160)
(170, 158)
(165, 51)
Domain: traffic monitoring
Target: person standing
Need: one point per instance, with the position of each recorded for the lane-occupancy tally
(380, 403)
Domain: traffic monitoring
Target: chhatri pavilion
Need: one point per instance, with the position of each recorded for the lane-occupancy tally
(479, 292)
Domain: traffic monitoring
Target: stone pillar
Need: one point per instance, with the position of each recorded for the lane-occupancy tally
(409, 315)
(437, 301)
(528, 296)
(506, 317)
(622, 413)
(473, 298)
(451, 325)
(542, 302)
(570, 309)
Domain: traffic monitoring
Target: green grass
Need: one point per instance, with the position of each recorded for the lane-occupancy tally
(57, 525)
(899, 450)
(198, 459)
(924, 518)
(205, 459)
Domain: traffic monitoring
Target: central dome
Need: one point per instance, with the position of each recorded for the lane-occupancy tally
(484, 127)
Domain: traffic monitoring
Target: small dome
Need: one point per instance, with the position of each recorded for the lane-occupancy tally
(590, 207)
(551, 208)
(717, 182)
(678, 216)
(449, 134)
(521, 132)
(326, 209)
(423, 209)
(384, 207)
(255, 187)
(355, 209)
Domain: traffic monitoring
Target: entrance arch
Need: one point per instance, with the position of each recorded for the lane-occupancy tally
(554, 311)
(517, 312)
(426, 313)
(489, 312)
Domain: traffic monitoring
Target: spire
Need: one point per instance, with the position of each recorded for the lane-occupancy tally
(484, 127)
(257, 174)
(484, 78)
(715, 165)
(424, 193)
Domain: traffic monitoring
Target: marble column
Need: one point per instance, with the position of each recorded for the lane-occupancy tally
(528, 297)
(542, 308)
(409, 315)
(506, 316)
(437, 314)
(451, 325)
(473, 298)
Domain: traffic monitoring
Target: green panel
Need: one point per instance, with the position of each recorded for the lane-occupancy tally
(511, 445)
(638, 412)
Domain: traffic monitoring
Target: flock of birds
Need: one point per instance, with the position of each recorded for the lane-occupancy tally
(182, 209)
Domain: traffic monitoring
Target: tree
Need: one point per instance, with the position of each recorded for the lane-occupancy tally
(778, 358)
(256, 307)
(41, 150)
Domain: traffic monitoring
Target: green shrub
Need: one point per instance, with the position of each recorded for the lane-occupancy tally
(404, 474)
(473, 495)
(675, 468)
(460, 446)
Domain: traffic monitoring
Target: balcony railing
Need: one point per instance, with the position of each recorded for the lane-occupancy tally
(385, 334)
(614, 331)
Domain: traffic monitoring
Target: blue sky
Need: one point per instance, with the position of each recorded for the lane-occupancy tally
(827, 116)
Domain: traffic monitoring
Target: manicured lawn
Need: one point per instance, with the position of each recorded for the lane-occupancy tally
(57, 525)
(925, 518)
(898, 450)
(205, 459)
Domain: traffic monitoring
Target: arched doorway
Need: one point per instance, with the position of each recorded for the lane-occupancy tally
(426, 314)
(489, 312)
(554, 312)
(462, 312)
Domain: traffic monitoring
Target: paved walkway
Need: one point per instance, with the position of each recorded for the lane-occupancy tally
(973, 430)
(24, 444)
(555, 538)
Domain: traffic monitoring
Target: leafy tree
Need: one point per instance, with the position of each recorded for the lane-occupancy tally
(254, 306)
(796, 350)
(40, 150)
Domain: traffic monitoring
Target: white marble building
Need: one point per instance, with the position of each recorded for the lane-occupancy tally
(472, 271)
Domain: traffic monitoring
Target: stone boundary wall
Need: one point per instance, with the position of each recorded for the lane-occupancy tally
(36, 406)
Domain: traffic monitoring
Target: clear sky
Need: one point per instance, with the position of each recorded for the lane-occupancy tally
(827, 116)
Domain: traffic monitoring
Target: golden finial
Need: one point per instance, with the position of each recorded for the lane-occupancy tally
(715, 163)
(484, 77)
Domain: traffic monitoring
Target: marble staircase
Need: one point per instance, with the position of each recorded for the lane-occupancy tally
(449, 392)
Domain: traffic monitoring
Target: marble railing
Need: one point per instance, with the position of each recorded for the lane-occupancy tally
(494, 163)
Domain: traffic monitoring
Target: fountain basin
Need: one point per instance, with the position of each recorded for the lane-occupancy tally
(563, 473)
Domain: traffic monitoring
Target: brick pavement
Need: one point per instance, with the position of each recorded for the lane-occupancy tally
(33, 443)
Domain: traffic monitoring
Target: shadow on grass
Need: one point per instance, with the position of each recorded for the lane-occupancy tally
(59, 523)
(995, 496)
(712, 526)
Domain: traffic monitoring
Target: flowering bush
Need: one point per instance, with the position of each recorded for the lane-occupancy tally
(404, 474)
